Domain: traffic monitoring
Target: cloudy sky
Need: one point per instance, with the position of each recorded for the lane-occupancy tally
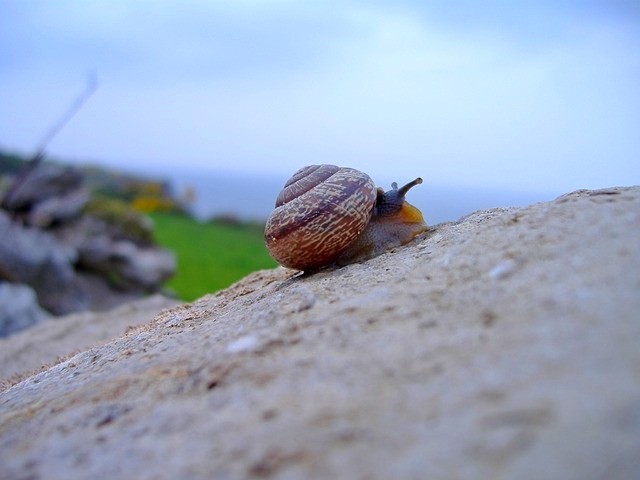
(531, 95)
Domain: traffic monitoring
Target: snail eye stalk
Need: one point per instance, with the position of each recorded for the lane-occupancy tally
(403, 191)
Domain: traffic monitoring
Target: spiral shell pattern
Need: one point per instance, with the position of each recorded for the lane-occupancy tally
(320, 211)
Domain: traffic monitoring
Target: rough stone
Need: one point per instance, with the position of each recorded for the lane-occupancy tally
(504, 345)
(19, 308)
(43, 344)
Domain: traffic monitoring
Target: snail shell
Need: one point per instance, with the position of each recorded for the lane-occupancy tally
(320, 211)
(327, 214)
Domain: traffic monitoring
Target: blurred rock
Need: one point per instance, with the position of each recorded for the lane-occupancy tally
(149, 267)
(127, 264)
(19, 308)
(78, 252)
(77, 271)
(57, 209)
(117, 220)
(32, 256)
(44, 182)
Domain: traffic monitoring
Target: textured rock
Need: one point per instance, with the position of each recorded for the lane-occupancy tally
(45, 343)
(19, 308)
(501, 346)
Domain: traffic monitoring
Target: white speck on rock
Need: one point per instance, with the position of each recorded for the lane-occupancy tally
(246, 343)
(503, 269)
(173, 321)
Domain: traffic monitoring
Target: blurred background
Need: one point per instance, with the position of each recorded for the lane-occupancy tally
(494, 103)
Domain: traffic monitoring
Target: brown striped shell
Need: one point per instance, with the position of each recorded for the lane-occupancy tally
(320, 211)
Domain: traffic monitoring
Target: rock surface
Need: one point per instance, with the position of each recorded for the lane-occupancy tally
(501, 346)
(45, 343)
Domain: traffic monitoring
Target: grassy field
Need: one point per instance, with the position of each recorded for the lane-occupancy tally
(211, 256)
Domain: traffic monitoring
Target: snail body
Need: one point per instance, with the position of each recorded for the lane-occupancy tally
(327, 214)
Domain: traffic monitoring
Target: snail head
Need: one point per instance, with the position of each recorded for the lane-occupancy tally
(391, 202)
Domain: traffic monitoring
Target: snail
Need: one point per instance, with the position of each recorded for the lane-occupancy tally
(329, 215)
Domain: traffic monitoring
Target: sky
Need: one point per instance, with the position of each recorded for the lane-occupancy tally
(521, 95)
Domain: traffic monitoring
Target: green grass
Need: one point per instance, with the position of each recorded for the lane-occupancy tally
(211, 256)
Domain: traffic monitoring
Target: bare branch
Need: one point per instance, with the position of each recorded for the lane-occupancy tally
(92, 85)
